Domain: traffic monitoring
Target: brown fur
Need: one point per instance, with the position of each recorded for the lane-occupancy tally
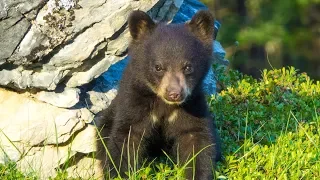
(160, 104)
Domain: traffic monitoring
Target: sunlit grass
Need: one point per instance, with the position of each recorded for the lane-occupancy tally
(270, 127)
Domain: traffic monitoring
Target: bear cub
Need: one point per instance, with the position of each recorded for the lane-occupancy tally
(160, 105)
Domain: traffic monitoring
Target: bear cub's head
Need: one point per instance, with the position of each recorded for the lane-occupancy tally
(171, 60)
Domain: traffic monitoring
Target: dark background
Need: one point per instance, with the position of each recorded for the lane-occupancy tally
(259, 34)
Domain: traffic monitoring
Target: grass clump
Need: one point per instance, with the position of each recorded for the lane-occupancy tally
(9, 171)
(269, 127)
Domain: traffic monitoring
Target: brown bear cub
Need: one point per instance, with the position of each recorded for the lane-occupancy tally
(160, 104)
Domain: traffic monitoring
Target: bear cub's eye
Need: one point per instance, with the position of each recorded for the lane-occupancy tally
(188, 69)
(158, 68)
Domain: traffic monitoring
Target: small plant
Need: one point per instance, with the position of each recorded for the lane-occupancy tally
(9, 171)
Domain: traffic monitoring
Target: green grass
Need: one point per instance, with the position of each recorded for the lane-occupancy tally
(270, 129)
(9, 172)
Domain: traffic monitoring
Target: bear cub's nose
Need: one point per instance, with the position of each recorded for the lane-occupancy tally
(174, 94)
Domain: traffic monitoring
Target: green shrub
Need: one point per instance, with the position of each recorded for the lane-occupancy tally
(269, 127)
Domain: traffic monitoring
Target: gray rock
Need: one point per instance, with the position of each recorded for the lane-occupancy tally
(44, 160)
(219, 54)
(14, 24)
(13, 8)
(13, 30)
(65, 99)
(86, 168)
(97, 101)
(23, 117)
(27, 78)
(39, 136)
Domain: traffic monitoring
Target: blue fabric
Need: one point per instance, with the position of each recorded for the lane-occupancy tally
(187, 10)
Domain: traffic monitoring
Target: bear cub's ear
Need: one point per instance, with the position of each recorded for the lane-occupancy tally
(202, 25)
(140, 24)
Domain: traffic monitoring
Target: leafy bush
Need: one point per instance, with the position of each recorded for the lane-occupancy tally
(269, 127)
